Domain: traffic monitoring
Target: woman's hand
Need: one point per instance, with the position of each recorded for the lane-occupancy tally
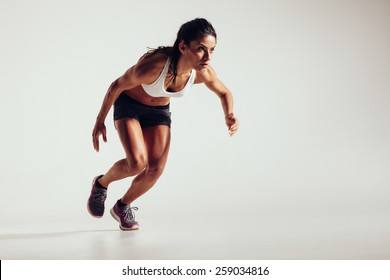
(232, 123)
(99, 129)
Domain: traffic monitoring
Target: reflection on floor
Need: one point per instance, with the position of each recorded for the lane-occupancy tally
(206, 238)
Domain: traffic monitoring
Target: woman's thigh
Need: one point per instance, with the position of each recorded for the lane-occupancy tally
(157, 142)
(132, 139)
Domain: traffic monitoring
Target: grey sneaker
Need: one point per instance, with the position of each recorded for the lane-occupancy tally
(96, 200)
(125, 217)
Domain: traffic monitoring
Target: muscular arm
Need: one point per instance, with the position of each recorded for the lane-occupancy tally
(127, 81)
(145, 71)
(210, 79)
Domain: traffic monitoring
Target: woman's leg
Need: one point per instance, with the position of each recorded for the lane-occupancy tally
(132, 138)
(157, 142)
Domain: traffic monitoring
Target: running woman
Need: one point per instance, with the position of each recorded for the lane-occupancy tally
(141, 98)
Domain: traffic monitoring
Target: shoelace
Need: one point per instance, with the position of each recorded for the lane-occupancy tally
(100, 197)
(128, 213)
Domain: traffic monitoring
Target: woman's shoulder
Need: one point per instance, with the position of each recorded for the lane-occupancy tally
(152, 60)
(151, 63)
(205, 75)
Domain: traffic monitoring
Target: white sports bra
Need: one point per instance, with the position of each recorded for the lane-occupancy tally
(157, 88)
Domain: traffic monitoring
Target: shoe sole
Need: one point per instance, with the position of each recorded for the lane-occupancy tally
(115, 216)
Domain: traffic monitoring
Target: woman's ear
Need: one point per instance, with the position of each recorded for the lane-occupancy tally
(182, 47)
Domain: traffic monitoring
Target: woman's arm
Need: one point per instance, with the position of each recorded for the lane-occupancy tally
(145, 71)
(126, 81)
(210, 79)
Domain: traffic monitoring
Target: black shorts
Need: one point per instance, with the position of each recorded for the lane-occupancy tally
(127, 107)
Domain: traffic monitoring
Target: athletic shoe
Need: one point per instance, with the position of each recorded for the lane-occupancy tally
(125, 217)
(96, 199)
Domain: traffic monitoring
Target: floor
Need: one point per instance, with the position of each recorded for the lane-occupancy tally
(219, 237)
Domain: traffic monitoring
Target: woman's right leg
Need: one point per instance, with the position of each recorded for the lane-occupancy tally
(131, 136)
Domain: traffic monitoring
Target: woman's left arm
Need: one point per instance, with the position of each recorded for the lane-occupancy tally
(211, 80)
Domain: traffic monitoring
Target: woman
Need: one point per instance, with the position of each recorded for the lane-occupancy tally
(141, 98)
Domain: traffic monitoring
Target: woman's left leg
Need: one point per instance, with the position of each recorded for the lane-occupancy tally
(157, 141)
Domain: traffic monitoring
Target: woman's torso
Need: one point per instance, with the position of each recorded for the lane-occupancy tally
(138, 93)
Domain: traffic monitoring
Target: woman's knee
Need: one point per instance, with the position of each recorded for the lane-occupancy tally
(155, 169)
(137, 164)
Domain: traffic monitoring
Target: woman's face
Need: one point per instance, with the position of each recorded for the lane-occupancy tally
(200, 52)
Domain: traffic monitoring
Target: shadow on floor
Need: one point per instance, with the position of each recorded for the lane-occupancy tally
(50, 234)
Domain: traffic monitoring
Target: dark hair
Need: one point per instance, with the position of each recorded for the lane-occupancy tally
(189, 31)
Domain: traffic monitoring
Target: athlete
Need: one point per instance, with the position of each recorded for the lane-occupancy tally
(141, 98)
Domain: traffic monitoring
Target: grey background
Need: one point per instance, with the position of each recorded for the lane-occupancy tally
(307, 175)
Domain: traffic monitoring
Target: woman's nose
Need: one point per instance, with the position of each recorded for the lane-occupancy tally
(207, 55)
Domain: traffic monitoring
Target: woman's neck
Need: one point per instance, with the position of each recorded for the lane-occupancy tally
(183, 67)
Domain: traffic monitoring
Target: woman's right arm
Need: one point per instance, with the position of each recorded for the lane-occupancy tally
(142, 72)
(126, 81)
